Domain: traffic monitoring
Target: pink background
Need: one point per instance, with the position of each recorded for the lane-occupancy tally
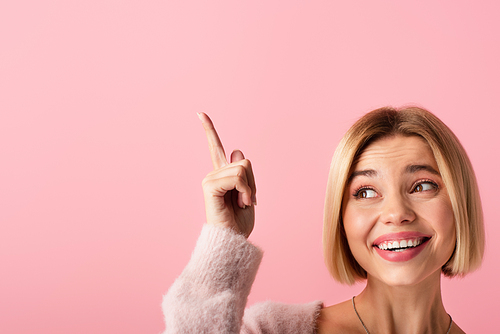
(102, 155)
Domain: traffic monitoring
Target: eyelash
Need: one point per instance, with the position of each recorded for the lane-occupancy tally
(415, 185)
(434, 184)
(360, 189)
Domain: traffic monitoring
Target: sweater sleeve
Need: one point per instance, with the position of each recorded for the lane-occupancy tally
(211, 293)
(279, 318)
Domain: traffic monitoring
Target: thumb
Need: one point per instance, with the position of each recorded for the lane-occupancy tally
(237, 155)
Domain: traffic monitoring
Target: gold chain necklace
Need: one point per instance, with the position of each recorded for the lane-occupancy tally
(366, 330)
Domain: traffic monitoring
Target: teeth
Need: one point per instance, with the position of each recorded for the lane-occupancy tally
(401, 245)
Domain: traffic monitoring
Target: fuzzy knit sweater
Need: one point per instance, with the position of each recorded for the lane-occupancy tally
(211, 293)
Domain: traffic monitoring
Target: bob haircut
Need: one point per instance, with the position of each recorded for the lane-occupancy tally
(455, 169)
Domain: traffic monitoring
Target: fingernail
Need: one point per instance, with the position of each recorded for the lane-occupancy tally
(199, 115)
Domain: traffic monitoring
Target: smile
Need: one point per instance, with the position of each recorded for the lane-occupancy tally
(402, 246)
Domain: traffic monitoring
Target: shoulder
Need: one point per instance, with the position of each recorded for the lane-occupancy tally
(273, 317)
(338, 318)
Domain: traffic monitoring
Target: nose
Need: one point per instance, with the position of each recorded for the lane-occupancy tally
(396, 209)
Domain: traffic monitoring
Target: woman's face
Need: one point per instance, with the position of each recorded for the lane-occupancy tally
(397, 213)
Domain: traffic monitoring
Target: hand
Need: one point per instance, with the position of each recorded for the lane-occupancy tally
(229, 189)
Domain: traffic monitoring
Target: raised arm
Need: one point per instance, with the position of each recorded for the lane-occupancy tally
(211, 293)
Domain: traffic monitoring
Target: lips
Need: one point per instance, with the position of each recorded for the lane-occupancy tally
(402, 246)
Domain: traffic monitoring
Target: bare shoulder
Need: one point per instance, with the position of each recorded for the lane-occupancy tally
(339, 318)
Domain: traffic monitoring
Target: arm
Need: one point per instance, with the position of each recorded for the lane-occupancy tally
(211, 293)
(279, 318)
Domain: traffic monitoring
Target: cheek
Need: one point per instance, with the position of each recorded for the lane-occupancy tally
(357, 225)
(445, 225)
(447, 221)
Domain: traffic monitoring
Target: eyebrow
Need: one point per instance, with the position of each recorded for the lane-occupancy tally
(365, 172)
(415, 168)
(410, 169)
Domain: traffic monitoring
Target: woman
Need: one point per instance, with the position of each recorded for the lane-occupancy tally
(402, 207)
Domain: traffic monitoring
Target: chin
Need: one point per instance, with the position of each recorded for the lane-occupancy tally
(406, 277)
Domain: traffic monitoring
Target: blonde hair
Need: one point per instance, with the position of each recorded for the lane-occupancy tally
(456, 172)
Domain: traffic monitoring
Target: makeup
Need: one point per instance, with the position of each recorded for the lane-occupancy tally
(399, 247)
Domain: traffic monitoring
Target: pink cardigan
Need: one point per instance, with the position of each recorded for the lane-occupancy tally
(211, 293)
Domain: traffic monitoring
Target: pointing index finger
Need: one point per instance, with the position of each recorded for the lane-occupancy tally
(214, 144)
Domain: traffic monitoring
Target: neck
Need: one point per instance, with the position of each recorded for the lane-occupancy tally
(415, 308)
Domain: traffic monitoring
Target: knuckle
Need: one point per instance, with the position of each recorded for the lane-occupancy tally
(246, 163)
(239, 180)
(204, 182)
(207, 180)
(240, 171)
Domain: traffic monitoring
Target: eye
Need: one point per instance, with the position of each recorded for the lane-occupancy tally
(424, 186)
(365, 193)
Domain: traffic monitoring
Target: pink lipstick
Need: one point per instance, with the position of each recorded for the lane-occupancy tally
(402, 246)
